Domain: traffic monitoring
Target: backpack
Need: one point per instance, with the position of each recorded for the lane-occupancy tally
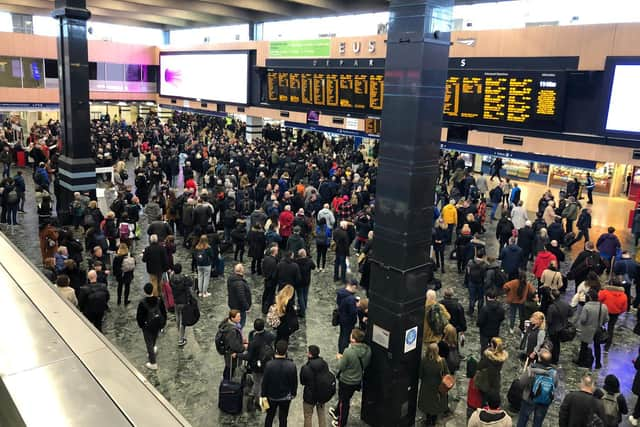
(499, 278)
(476, 273)
(155, 321)
(265, 354)
(324, 386)
(128, 264)
(220, 341)
(202, 258)
(453, 360)
(96, 301)
(543, 387)
(436, 319)
(611, 410)
(12, 197)
(89, 220)
(124, 231)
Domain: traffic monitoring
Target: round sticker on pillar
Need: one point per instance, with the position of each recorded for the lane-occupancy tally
(410, 339)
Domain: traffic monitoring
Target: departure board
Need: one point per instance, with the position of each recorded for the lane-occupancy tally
(344, 90)
(510, 98)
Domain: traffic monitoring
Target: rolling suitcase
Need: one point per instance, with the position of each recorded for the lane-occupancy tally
(230, 396)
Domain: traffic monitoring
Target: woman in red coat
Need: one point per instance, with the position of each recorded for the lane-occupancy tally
(286, 224)
(615, 299)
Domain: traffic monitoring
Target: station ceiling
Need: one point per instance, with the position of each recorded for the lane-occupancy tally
(176, 14)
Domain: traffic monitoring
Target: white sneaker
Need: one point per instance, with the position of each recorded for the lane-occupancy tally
(633, 421)
(152, 366)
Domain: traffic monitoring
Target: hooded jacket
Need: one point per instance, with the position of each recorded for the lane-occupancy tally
(308, 374)
(511, 257)
(488, 375)
(614, 298)
(490, 318)
(494, 418)
(456, 311)
(354, 360)
(347, 308)
(239, 293)
(542, 261)
(607, 244)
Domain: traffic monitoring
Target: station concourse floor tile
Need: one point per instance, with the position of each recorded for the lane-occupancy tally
(189, 377)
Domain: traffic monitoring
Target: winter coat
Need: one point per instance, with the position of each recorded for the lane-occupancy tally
(541, 263)
(305, 265)
(328, 216)
(429, 335)
(607, 244)
(238, 293)
(155, 256)
(571, 211)
(635, 388)
(614, 298)
(280, 380)
(528, 376)
(490, 318)
(456, 312)
(558, 315)
(450, 214)
(342, 240)
(526, 237)
(143, 308)
(577, 408)
(588, 322)
(354, 361)
(488, 375)
(549, 215)
(288, 273)
(295, 243)
(511, 288)
(286, 223)
(430, 400)
(511, 256)
(347, 308)
(308, 373)
(257, 243)
(181, 288)
(483, 417)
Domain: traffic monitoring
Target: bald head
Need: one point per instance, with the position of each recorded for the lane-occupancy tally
(238, 269)
(92, 276)
(586, 384)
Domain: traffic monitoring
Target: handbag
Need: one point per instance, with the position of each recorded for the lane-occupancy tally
(446, 383)
(273, 319)
(568, 333)
(191, 311)
(601, 334)
(335, 317)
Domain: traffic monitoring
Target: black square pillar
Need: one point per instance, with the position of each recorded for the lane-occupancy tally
(77, 170)
(415, 74)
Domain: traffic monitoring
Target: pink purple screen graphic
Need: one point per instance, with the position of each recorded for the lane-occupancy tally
(173, 77)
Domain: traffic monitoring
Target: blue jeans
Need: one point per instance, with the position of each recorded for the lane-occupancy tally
(476, 293)
(513, 308)
(494, 209)
(539, 412)
(12, 214)
(340, 269)
(243, 318)
(303, 296)
(6, 170)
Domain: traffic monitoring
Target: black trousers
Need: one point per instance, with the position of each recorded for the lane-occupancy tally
(321, 255)
(268, 296)
(256, 265)
(555, 351)
(282, 408)
(345, 393)
(150, 338)
(611, 326)
(127, 287)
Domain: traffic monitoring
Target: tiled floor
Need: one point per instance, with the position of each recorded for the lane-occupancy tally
(189, 376)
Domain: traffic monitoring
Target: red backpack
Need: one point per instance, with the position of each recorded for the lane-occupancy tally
(124, 231)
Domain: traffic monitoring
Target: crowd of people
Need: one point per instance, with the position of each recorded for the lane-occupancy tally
(198, 187)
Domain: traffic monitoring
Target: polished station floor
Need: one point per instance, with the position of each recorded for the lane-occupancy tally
(189, 377)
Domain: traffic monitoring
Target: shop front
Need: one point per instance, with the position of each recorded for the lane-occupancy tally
(602, 175)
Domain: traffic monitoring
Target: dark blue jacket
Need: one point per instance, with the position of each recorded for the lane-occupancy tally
(607, 244)
(511, 256)
(346, 302)
(18, 181)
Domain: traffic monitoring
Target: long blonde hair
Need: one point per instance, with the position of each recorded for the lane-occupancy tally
(123, 249)
(282, 299)
(203, 243)
(432, 353)
(543, 321)
(450, 336)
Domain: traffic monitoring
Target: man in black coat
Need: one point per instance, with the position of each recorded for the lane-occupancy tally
(305, 264)
(155, 257)
(586, 261)
(526, 236)
(181, 289)
(490, 317)
(93, 299)
(287, 272)
(259, 352)
(279, 385)
(308, 373)
(558, 315)
(239, 293)
(578, 407)
(269, 269)
(151, 317)
(456, 310)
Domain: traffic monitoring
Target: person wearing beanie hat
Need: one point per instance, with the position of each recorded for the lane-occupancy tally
(152, 317)
(614, 403)
(315, 392)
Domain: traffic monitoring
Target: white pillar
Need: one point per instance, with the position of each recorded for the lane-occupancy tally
(254, 128)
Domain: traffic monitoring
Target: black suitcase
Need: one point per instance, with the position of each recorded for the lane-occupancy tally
(514, 395)
(230, 397)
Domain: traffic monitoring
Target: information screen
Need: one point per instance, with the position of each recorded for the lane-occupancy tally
(221, 77)
(625, 92)
(511, 98)
(347, 90)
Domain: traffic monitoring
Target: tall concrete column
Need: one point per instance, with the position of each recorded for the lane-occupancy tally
(415, 74)
(254, 128)
(77, 169)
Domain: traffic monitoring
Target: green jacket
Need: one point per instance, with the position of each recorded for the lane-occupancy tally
(571, 211)
(354, 360)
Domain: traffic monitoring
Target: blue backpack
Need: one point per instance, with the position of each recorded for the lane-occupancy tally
(543, 387)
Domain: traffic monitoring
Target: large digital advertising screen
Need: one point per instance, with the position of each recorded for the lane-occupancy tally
(219, 77)
(623, 103)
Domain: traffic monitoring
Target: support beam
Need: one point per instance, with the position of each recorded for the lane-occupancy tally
(199, 6)
(77, 169)
(415, 73)
(270, 7)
